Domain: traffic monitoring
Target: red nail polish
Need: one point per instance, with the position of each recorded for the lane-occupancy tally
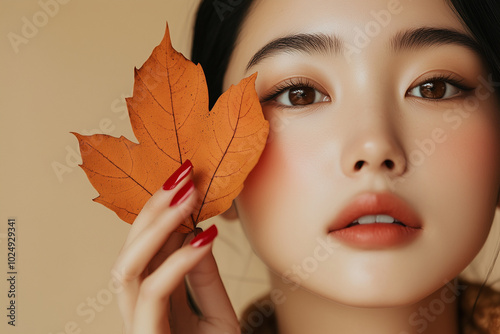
(178, 175)
(204, 237)
(183, 193)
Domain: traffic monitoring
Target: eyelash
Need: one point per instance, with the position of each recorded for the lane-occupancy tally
(304, 82)
(449, 78)
(287, 85)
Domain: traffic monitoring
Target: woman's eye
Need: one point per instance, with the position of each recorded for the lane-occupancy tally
(301, 96)
(435, 90)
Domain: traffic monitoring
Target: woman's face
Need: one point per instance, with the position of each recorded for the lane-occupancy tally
(376, 108)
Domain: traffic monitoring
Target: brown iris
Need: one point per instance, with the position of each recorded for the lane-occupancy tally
(433, 89)
(302, 95)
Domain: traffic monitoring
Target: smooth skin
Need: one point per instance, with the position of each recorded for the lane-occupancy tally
(368, 109)
(324, 154)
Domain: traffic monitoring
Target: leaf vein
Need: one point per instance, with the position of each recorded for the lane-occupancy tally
(119, 168)
(224, 154)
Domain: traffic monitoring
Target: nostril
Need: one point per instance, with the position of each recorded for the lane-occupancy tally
(389, 164)
(359, 165)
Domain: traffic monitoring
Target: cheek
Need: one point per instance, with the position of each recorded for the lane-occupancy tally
(291, 192)
(278, 204)
(470, 169)
(461, 183)
(263, 203)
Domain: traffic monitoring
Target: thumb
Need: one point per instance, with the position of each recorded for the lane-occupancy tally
(208, 291)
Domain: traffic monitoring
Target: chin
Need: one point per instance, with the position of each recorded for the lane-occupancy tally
(379, 293)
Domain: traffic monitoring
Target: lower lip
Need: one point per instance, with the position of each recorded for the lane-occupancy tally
(376, 236)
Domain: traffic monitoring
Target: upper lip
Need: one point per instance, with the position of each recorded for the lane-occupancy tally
(376, 204)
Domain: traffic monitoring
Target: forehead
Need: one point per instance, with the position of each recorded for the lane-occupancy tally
(268, 18)
(379, 20)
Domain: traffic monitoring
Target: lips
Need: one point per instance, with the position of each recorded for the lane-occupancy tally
(376, 220)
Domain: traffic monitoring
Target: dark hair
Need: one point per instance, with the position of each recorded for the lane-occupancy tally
(217, 26)
(482, 18)
(218, 23)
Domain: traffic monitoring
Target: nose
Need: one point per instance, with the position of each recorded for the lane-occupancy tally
(374, 148)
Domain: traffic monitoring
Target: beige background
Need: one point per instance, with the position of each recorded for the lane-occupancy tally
(72, 75)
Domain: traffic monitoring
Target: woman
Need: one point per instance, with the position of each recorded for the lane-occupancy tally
(378, 184)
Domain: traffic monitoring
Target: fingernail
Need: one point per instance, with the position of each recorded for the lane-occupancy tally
(183, 193)
(204, 237)
(178, 175)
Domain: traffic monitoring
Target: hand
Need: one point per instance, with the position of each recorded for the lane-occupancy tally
(155, 261)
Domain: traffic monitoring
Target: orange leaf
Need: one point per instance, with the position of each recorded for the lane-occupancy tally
(171, 121)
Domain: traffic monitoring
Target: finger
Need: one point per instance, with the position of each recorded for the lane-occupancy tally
(183, 310)
(209, 292)
(126, 300)
(136, 256)
(173, 243)
(160, 200)
(131, 264)
(152, 303)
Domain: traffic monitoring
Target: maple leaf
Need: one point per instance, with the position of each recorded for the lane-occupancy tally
(171, 121)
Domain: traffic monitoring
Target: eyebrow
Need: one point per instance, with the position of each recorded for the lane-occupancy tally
(425, 37)
(326, 44)
(305, 43)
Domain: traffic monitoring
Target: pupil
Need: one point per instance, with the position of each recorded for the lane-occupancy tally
(302, 95)
(433, 89)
